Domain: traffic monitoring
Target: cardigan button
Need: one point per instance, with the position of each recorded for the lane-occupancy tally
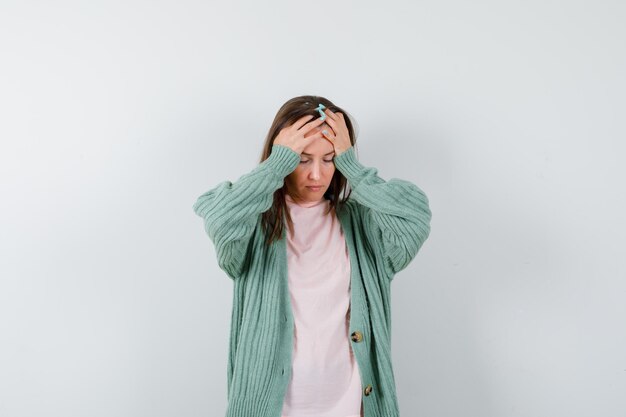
(368, 389)
(356, 336)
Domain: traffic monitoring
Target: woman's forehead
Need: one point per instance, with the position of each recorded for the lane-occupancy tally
(318, 147)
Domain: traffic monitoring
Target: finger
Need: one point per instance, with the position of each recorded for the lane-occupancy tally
(330, 139)
(312, 124)
(332, 123)
(329, 134)
(301, 121)
(330, 114)
(331, 131)
(317, 135)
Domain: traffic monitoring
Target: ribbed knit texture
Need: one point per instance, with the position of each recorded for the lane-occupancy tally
(385, 224)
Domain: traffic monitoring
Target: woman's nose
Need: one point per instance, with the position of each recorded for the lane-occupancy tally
(315, 172)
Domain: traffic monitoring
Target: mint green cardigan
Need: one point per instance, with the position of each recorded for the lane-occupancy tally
(384, 222)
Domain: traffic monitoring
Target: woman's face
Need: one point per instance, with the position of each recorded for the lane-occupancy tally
(316, 167)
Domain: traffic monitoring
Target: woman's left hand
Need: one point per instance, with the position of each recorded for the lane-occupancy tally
(339, 136)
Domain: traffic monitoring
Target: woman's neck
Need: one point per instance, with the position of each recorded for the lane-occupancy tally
(302, 203)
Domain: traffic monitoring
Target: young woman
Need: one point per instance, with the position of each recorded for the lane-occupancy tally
(311, 314)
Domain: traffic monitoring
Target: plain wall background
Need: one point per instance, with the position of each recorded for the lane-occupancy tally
(115, 116)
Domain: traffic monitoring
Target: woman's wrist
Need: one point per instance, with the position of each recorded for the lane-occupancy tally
(340, 151)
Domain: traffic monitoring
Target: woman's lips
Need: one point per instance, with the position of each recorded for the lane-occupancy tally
(317, 188)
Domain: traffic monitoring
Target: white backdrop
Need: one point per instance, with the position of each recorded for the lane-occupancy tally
(116, 115)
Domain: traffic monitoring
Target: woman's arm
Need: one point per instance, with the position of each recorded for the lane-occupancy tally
(397, 211)
(231, 210)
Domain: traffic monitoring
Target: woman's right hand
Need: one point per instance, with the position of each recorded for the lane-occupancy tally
(293, 136)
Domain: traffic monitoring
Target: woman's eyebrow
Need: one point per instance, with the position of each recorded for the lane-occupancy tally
(308, 154)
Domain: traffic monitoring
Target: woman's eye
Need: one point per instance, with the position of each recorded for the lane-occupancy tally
(304, 162)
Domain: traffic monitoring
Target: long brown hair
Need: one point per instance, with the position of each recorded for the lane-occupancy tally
(273, 220)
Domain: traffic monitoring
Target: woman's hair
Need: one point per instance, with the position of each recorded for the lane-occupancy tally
(273, 220)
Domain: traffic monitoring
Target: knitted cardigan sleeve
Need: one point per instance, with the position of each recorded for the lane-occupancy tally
(231, 209)
(396, 213)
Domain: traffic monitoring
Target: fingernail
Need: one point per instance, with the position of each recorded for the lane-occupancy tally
(325, 132)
